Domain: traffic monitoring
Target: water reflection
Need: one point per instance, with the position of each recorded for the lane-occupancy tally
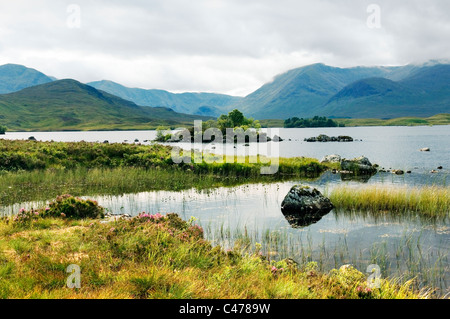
(304, 220)
(345, 177)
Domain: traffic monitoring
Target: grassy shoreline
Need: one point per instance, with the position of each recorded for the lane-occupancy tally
(31, 170)
(154, 256)
(438, 119)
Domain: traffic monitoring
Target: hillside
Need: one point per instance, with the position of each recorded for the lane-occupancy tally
(360, 92)
(301, 91)
(15, 77)
(71, 105)
(209, 104)
(425, 92)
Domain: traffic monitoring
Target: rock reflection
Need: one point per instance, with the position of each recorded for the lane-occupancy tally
(304, 220)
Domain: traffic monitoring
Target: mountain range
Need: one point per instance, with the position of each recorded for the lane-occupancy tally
(359, 92)
(318, 89)
(210, 104)
(28, 96)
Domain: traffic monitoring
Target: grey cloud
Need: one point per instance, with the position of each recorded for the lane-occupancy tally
(173, 38)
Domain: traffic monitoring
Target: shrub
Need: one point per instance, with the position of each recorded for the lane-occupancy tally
(26, 216)
(74, 207)
(65, 206)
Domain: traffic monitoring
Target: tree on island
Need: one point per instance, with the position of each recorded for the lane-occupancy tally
(3, 129)
(234, 120)
(316, 121)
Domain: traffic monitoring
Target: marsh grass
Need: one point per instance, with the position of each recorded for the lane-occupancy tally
(404, 260)
(162, 257)
(41, 185)
(429, 201)
(31, 170)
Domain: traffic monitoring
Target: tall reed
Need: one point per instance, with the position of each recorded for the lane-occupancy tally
(431, 201)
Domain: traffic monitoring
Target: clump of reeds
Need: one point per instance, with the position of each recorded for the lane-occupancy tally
(431, 201)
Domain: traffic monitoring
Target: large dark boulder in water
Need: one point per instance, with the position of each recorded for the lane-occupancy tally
(304, 205)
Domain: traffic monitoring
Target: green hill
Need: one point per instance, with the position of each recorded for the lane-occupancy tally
(71, 105)
(425, 92)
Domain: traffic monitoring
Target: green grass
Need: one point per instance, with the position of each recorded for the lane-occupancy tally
(431, 201)
(159, 257)
(16, 155)
(40, 185)
(272, 123)
(439, 119)
(33, 171)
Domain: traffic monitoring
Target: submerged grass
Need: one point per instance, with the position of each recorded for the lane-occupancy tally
(429, 201)
(407, 259)
(39, 185)
(159, 257)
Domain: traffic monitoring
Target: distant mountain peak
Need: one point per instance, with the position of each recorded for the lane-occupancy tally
(15, 77)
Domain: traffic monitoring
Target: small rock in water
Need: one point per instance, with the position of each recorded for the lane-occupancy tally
(361, 165)
(425, 149)
(398, 172)
(276, 138)
(334, 158)
(440, 167)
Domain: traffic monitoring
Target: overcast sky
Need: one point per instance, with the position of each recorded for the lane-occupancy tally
(224, 46)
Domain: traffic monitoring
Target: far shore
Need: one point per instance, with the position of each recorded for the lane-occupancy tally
(439, 119)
